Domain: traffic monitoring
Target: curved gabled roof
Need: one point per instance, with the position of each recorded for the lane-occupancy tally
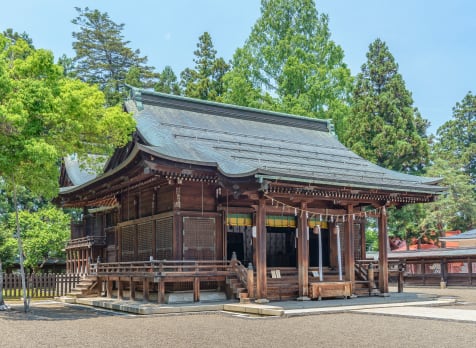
(243, 141)
(79, 172)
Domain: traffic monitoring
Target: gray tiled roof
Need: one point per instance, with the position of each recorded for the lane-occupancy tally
(77, 173)
(243, 141)
(468, 235)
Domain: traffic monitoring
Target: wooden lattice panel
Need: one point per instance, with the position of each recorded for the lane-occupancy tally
(198, 238)
(164, 235)
(127, 243)
(144, 241)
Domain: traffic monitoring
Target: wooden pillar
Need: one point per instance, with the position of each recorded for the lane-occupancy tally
(196, 289)
(119, 245)
(382, 252)
(303, 253)
(78, 265)
(349, 246)
(132, 289)
(260, 250)
(161, 292)
(120, 290)
(145, 289)
(109, 287)
(250, 281)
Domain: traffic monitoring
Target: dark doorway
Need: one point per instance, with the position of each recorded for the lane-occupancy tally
(280, 247)
(314, 248)
(235, 243)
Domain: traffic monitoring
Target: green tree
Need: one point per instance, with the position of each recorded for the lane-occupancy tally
(14, 36)
(206, 80)
(457, 137)
(44, 234)
(456, 209)
(290, 64)
(167, 82)
(68, 66)
(103, 56)
(384, 127)
(45, 116)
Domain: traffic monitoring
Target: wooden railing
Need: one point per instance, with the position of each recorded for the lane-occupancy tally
(162, 268)
(39, 285)
(457, 271)
(87, 241)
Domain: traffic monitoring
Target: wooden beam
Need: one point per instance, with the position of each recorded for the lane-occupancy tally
(260, 247)
(383, 252)
(303, 253)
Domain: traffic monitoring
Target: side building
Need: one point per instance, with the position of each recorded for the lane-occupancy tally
(203, 181)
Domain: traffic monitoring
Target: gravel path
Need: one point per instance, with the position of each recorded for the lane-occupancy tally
(50, 324)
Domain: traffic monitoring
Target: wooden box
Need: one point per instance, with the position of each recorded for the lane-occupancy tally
(330, 289)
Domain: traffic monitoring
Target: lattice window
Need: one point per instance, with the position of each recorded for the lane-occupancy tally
(198, 238)
(164, 238)
(144, 241)
(127, 243)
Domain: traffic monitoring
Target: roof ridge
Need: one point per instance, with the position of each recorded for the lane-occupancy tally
(228, 110)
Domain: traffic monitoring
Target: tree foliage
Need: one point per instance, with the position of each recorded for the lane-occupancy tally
(167, 82)
(384, 127)
(457, 137)
(103, 56)
(206, 80)
(290, 64)
(44, 234)
(456, 209)
(45, 116)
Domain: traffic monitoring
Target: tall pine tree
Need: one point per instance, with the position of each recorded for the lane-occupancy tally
(384, 126)
(290, 64)
(103, 56)
(167, 82)
(457, 137)
(205, 81)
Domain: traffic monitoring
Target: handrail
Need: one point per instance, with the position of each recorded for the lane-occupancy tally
(88, 240)
(162, 268)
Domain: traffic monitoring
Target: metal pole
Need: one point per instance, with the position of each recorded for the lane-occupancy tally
(339, 256)
(320, 255)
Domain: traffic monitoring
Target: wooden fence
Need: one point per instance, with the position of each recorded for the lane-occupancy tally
(39, 285)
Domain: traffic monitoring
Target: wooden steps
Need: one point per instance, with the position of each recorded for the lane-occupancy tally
(86, 287)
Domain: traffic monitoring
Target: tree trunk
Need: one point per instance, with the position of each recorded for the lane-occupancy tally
(2, 303)
(26, 305)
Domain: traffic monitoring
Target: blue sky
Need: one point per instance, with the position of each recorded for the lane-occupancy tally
(434, 42)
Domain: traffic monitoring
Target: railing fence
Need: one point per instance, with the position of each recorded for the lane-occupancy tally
(45, 285)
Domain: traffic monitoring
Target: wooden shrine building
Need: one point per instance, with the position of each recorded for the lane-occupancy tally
(203, 181)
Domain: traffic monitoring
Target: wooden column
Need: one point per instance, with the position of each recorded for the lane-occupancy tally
(303, 253)
(349, 246)
(260, 250)
(161, 292)
(196, 289)
(145, 289)
(382, 252)
(132, 289)
(120, 289)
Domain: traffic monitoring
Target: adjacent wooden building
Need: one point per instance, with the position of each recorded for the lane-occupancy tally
(203, 181)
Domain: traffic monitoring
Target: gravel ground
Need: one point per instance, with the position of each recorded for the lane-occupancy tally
(51, 324)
